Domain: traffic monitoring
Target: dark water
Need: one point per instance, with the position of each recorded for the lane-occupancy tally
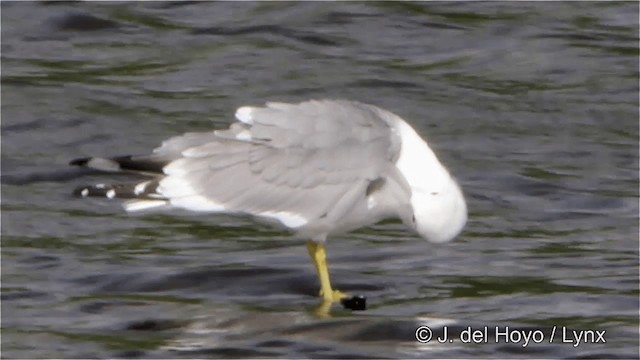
(533, 106)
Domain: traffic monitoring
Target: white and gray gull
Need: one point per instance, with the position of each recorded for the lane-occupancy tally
(316, 168)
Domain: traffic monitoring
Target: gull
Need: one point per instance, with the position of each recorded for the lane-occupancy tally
(315, 168)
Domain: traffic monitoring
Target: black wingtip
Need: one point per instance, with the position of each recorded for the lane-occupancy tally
(121, 163)
(80, 162)
(78, 192)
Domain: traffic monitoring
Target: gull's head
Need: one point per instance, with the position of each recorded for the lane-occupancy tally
(439, 215)
(439, 208)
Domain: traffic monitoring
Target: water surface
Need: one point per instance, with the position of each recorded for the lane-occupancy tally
(533, 107)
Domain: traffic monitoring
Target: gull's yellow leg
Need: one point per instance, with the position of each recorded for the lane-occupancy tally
(319, 257)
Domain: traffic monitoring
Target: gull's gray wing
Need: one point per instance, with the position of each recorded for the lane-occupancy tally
(302, 164)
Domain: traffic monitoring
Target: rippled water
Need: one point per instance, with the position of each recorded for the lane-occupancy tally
(533, 106)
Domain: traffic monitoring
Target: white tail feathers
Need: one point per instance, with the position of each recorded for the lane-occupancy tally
(141, 205)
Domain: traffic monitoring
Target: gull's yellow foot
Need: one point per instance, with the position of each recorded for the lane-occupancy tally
(319, 257)
(329, 296)
(335, 296)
